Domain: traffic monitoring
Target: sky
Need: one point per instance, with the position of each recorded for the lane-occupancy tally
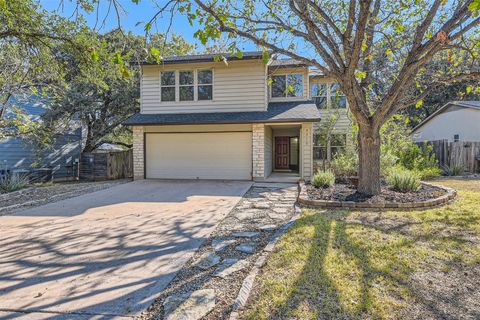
(133, 13)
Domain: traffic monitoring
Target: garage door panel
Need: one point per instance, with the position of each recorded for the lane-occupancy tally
(225, 155)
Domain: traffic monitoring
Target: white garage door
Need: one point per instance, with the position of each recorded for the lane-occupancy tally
(219, 155)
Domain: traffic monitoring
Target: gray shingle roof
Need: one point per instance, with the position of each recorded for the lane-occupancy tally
(284, 63)
(207, 58)
(295, 111)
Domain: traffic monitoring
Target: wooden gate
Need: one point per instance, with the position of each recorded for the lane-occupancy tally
(106, 166)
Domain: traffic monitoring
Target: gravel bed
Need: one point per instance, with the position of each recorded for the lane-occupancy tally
(347, 192)
(40, 195)
(261, 207)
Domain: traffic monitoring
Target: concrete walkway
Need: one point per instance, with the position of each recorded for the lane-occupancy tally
(106, 254)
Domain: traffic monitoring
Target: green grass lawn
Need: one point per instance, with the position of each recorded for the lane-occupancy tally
(335, 264)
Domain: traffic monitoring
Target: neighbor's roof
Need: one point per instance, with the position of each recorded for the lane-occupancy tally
(286, 63)
(464, 104)
(298, 111)
(251, 55)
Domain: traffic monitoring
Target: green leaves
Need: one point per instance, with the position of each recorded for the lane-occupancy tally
(360, 74)
(474, 6)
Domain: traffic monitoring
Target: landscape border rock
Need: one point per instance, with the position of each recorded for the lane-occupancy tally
(450, 195)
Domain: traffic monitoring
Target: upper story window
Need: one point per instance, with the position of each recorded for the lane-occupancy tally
(186, 85)
(287, 85)
(319, 94)
(168, 82)
(328, 95)
(337, 97)
(205, 84)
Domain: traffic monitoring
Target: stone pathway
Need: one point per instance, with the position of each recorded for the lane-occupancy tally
(207, 286)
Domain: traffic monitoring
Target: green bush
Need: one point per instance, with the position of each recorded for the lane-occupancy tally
(12, 182)
(428, 173)
(323, 179)
(454, 170)
(403, 180)
(345, 164)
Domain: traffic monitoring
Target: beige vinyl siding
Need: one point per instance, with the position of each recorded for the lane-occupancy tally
(238, 86)
(343, 123)
(282, 71)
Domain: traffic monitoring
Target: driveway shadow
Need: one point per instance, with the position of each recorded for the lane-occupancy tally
(106, 258)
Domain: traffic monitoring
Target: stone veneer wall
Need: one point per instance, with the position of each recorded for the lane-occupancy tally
(258, 151)
(138, 153)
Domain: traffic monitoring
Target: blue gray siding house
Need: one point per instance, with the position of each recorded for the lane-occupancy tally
(16, 153)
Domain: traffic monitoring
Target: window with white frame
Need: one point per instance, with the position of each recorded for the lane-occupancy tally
(287, 85)
(205, 84)
(168, 84)
(337, 98)
(329, 148)
(327, 95)
(186, 86)
(319, 94)
(181, 85)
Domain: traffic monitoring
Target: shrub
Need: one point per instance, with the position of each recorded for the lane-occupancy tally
(453, 170)
(323, 179)
(428, 173)
(403, 180)
(345, 164)
(13, 182)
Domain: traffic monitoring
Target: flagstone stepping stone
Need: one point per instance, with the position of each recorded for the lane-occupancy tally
(248, 214)
(246, 247)
(207, 260)
(225, 270)
(189, 306)
(267, 227)
(277, 216)
(246, 234)
(281, 210)
(284, 205)
(261, 205)
(220, 244)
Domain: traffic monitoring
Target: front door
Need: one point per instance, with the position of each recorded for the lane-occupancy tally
(282, 152)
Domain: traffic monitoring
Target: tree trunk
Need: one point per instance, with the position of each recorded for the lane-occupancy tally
(369, 161)
(89, 141)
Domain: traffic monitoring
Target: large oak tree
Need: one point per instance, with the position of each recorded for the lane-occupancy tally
(377, 50)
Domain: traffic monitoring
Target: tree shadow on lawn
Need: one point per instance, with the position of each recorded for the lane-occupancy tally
(359, 266)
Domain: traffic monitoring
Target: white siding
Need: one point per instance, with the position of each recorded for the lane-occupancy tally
(238, 86)
(454, 120)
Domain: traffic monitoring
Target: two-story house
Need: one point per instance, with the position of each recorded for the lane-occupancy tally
(205, 119)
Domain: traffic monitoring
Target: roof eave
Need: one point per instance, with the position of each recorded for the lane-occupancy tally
(162, 62)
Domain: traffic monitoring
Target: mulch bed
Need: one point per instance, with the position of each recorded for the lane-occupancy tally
(347, 192)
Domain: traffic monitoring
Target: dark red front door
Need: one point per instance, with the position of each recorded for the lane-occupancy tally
(282, 152)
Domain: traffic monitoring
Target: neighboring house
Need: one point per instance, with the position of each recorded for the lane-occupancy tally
(204, 119)
(455, 121)
(18, 154)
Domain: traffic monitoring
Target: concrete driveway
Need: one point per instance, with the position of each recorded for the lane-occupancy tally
(106, 254)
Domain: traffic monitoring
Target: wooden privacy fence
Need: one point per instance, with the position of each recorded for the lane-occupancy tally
(106, 166)
(464, 153)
